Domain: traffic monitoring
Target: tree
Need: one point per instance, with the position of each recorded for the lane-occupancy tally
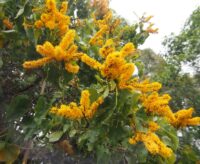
(72, 87)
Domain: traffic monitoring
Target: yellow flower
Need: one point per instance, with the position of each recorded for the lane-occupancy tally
(152, 143)
(184, 118)
(153, 126)
(156, 104)
(66, 51)
(63, 8)
(127, 49)
(91, 62)
(36, 63)
(67, 39)
(72, 68)
(107, 48)
(73, 111)
(8, 24)
(53, 18)
(85, 99)
(38, 24)
(51, 5)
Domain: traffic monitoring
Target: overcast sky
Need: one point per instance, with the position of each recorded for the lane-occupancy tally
(169, 16)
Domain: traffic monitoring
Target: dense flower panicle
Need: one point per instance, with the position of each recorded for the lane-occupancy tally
(72, 68)
(145, 86)
(85, 99)
(37, 63)
(66, 51)
(111, 68)
(184, 118)
(127, 49)
(97, 39)
(106, 26)
(156, 104)
(67, 39)
(73, 111)
(53, 18)
(107, 48)
(64, 7)
(8, 24)
(153, 126)
(90, 62)
(152, 143)
(39, 24)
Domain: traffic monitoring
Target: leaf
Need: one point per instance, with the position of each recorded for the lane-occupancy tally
(20, 12)
(19, 105)
(112, 85)
(93, 94)
(103, 155)
(9, 153)
(40, 106)
(55, 136)
(72, 133)
(167, 130)
(106, 92)
(4, 1)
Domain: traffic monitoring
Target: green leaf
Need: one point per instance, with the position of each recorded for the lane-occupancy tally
(55, 136)
(4, 1)
(20, 12)
(103, 155)
(40, 107)
(112, 85)
(167, 130)
(19, 106)
(106, 92)
(72, 133)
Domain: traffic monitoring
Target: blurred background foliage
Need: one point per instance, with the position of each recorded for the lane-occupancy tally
(22, 95)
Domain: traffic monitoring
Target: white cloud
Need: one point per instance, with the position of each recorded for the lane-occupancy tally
(169, 15)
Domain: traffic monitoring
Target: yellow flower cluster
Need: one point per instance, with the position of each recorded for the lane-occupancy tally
(8, 24)
(66, 51)
(84, 110)
(156, 104)
(184, 118)
(106, 25)
(151, 141)
(144, 86)
(91, 62)
(107, 48)
(114, 66)
(53, 18)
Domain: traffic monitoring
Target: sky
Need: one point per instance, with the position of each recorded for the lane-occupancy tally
(169, 16)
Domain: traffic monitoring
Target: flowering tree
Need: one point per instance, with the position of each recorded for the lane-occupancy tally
(80, 91)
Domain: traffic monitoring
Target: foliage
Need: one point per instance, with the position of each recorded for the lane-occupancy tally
(76, 89)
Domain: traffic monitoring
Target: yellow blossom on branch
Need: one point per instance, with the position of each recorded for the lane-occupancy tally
(152, 143)
(8, 24)
(144, 86)
(86, 109)
(156, 104)
(53, 18)
(184, 118)
(66, 51)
